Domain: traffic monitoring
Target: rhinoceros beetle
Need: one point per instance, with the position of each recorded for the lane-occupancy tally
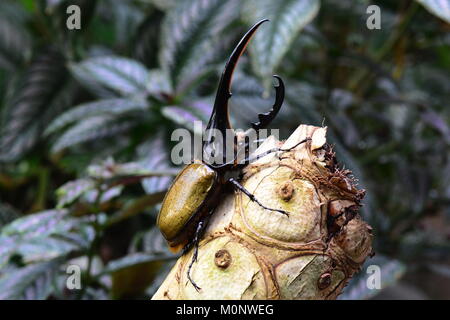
(197, 189)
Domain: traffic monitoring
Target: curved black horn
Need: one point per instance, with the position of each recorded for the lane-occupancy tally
(219, 117)
(266, 118)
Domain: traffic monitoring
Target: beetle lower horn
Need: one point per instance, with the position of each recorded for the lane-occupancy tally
(266, 118)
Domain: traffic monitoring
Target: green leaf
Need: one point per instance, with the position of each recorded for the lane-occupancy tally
(7, 214)
(147, 39)
(163, 4)
(189, 112)
(43, 236)
(302, 97)
(51, 5)
(273, 40)
(137, 206)
(36, 249)
(14, 11)
(133, 260)
(91, 129)
(39, 96)
(159, 83)
(109, 170)
(438, 122)
(163, 272)
(115, 106)
(155, 161)
(42, 223)
(190, 34)
(440, 8)
(72, 190)
(184, 116)
(81, 235)
(154, 242)
(34, 282)
(126, 16)
(15, 44)
(109, 194)
(439, 269)
(122, 75)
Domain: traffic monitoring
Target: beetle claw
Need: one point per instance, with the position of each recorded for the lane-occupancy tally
(197, 288)
(266, 118)
(281, 211)
(284, 212)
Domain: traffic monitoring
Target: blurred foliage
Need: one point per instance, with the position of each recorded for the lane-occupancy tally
(89, 113)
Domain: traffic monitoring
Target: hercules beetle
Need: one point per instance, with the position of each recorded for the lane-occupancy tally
(195, 192)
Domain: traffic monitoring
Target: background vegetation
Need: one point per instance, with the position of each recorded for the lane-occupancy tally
(86, 118)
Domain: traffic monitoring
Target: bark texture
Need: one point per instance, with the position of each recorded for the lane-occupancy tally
(251, 253)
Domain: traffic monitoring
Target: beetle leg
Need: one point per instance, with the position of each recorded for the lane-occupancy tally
(241, 188)
(200, 227)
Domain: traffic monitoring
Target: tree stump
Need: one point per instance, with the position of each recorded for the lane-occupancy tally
(248, 252)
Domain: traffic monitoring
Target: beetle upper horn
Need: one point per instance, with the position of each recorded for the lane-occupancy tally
(219, 117)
